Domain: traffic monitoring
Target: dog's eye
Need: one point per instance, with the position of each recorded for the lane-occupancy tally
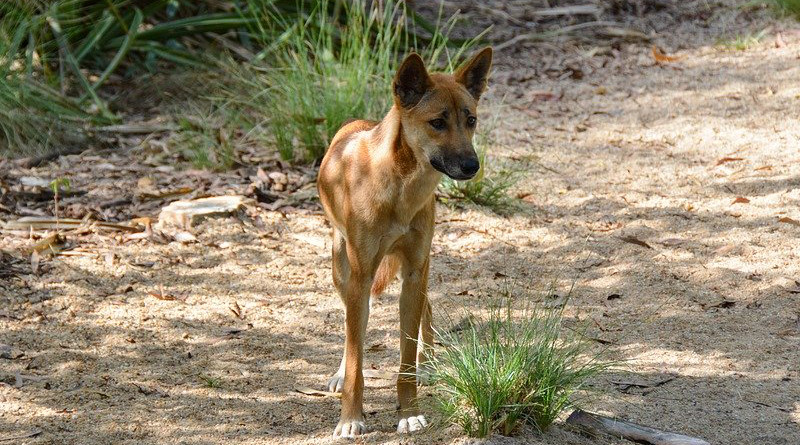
(471, 121)
(438, 124)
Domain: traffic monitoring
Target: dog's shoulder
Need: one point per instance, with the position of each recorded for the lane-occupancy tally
(349, 129)
(351, 126)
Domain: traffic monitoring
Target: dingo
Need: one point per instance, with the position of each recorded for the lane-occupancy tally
(376, 184)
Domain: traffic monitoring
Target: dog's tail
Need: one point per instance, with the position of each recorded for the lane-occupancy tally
(385, 274)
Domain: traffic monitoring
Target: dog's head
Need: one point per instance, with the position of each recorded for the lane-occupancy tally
(439, 112)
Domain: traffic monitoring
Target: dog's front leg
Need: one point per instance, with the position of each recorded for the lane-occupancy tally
(356, 301)
(413, 303)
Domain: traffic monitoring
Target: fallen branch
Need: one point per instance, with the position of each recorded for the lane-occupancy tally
(619, 428)
(551, 34)
(38, 223)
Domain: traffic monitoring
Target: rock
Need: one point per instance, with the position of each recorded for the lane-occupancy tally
(185, 214)
(9, 353)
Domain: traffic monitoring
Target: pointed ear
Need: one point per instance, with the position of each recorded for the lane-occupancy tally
(475, 72)
(411, 81)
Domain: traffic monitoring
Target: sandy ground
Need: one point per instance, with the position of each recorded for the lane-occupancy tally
(631, 174)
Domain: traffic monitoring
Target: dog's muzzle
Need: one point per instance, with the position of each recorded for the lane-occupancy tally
(459, 168)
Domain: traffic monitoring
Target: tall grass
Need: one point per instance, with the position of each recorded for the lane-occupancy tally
(56, 55)
(789, 7)
(516, 366)
(328, 68)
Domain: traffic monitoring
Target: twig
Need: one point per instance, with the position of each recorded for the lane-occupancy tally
(550, 34)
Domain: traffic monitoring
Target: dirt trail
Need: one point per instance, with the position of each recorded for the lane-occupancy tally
(631, 178)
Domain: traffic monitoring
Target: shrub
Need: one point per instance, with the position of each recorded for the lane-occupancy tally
(511, 368)
(328, 68)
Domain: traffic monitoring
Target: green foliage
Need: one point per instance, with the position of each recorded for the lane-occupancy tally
(55, 55)
(743, 42)
(789, 7)
(511, 368)
(210, 382)
(328, 68)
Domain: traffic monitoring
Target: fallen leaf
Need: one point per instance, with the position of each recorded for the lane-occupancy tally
(184, 237)
(315, 392)
(788, 220)
(727, 159)
(375, 347)
(663, 58)
(764, 167)
(378, 374)
(634, 240)
(779, 43)
(542, 96)
(722, 304)
(164, 297)
(740, 200)
(161, 295)
(34, 262)
(237, 310)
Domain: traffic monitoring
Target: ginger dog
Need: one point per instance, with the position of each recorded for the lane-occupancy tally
(376, 184)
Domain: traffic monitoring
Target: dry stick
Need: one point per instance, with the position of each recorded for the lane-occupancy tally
(549, 34)
(629, 431)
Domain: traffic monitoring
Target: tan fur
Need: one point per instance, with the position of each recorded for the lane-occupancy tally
(376, 184)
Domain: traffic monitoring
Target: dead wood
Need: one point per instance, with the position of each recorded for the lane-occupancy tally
(596, 423)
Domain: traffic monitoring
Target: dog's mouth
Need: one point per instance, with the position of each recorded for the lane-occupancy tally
(458, 169)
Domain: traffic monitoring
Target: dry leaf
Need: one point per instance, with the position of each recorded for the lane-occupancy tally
(34, 262)
(727, 159)
(634, 240)
(542, 96)
(779, 43)
(378, 374)
(740, 200)
(161, 295)
(237, 310)
(788, 220)
(764, 167)
(315, 392)
(663, 58)
(375, 347)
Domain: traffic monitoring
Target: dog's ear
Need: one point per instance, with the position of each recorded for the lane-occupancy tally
(411, 81)
(475, 72)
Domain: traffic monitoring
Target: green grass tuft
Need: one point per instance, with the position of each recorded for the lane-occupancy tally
(514, 367)
(322, 71)
(789, 7)
(210, 382)
(743, 42)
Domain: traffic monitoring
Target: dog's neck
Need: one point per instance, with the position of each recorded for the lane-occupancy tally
(403, 162)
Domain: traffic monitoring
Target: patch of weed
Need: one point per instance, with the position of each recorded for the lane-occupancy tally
(516, 366)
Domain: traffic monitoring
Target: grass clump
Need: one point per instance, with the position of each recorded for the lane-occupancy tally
(511, 368)
(326, 68)
(789, 7)
(743, 42)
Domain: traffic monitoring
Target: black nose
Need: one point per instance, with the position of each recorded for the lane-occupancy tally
(470, 166)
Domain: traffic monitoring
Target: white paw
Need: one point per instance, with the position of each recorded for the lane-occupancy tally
(411, 424)
(349, 429)
(336, 382)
